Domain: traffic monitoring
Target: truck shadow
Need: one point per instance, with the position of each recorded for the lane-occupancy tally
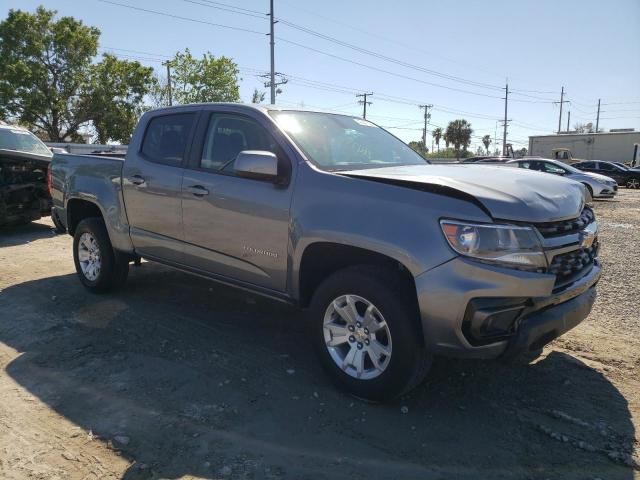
(11, 235)
(208, 381)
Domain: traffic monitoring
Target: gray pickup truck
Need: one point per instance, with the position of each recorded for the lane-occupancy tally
(394, 260)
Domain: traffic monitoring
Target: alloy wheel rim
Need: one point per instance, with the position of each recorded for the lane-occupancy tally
(357, 337)
(633, 183)
(89, 256)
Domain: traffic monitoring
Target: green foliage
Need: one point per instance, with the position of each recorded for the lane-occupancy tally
(450, 153)
(486, 141)
(45, 63)
(418, 147)
(258, 96)
(437, 135)
(48, 80)
(115, 95)
(208, 79)
(459, 134)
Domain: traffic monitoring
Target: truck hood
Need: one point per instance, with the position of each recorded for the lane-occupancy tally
(505, 193)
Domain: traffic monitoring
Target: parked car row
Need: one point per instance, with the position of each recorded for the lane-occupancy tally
(393, 259)
(623, 175)
(599, 186)
(599, 177)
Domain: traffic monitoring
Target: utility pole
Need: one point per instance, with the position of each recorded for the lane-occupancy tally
(427, 117)
(598, 117)
(364, 102)
(561, 102)
(495, 136)
(504, 132)
(272, 44)
(169, 84)
(568, 119)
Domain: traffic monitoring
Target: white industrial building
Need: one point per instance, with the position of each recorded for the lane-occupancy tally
(614, 146)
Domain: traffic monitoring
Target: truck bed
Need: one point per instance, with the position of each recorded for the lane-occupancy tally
(94, 178)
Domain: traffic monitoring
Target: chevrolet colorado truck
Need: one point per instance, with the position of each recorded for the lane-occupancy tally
(395, 260)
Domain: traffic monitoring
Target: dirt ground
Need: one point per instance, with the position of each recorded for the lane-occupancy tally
(178, 377)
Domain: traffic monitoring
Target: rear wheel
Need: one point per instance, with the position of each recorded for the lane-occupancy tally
(99, 267)
(365, 328)
(633, 183)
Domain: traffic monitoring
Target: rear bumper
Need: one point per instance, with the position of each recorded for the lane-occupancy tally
(461, 300)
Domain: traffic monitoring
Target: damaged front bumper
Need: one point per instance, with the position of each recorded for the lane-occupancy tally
(474, 310)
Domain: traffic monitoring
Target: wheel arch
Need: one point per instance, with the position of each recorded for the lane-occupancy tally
(320, 259)
(78, 209)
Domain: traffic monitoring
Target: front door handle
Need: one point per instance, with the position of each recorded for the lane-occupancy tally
(198, 190)
(136, 179)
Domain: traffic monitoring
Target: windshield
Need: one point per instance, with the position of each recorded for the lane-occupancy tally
(22, 141)
(622, 166)
(571, 169)
(339, 142)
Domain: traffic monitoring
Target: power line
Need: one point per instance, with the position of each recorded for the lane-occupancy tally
(253, 13)
(178, 17)
(370, 67)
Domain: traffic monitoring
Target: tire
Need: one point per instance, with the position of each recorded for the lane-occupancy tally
(633, 183)
(112, 268)
(408, 361)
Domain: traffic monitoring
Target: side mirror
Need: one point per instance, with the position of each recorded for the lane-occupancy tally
(257, 164)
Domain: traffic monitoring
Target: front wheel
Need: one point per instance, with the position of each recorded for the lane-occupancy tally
(366, 331)
(98, 265)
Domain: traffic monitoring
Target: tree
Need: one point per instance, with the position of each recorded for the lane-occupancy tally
(159, 93)
(437, 135)
(48, 80)
(45, 63)
(208, 79)
(419, 148)
(584, 128)
(459, 133)
(486, 141)
(258, 96)
(115, 95)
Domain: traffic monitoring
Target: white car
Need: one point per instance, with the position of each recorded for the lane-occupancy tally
(599, 186)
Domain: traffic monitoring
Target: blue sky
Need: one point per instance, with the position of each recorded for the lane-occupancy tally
(592, 48)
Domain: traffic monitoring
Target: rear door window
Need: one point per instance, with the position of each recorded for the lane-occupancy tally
(165, 140)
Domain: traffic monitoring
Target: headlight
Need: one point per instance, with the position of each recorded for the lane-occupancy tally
(505, 244)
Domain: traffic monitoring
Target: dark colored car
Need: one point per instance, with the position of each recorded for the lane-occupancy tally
(24, 161)
(629, 177)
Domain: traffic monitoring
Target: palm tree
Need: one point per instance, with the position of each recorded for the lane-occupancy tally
(486, 140)
(459, 133)
(437, 135)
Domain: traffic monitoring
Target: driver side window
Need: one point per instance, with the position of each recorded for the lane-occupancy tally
(228, 135)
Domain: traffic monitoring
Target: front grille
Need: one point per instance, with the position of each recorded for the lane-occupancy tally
(572, 265)
(565, 227)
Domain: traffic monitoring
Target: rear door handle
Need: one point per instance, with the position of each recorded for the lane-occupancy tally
(198, 190)
(136, 179)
